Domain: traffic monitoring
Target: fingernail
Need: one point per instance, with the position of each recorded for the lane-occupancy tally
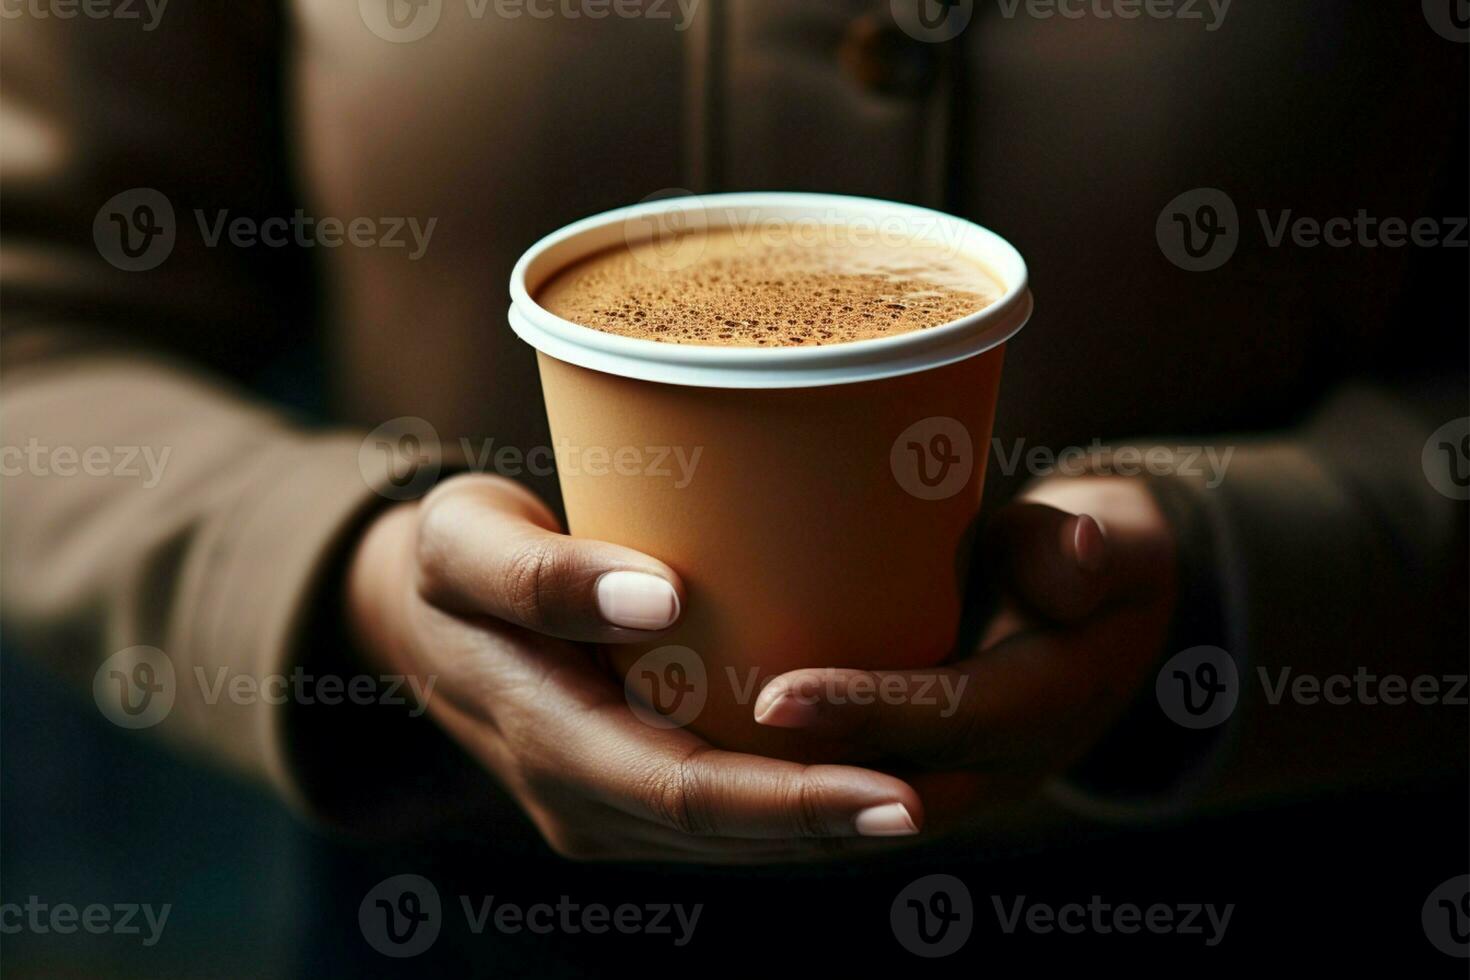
(637, 600)
(786, 710)
(1088, 543)
(888, 820)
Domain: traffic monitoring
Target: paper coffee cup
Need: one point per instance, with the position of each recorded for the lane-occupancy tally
(817, 501)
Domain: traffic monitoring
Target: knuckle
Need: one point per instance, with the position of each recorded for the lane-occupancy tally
(803, 795)
(441, 529)
(678, 798)
(528, 574)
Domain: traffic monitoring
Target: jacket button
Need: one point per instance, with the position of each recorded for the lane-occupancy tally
(881, 58)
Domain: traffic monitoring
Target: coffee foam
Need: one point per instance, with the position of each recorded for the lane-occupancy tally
(734, 288)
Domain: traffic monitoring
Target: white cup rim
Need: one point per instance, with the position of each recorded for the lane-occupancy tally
(768, 367)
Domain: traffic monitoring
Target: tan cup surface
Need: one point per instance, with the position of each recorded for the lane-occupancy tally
(805, 536)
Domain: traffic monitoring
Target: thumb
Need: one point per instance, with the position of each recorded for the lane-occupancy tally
(488, 547)
(1052, 562)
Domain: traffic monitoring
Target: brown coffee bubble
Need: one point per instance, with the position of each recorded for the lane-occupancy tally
(756, 288)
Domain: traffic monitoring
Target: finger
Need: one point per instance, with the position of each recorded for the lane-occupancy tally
(591, 830)
(678, 781)
(488, 547)
(1140, 547)
(1028, 701)
(563, 729)
(1054, 562)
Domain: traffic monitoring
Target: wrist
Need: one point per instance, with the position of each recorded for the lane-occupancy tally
(377, 584)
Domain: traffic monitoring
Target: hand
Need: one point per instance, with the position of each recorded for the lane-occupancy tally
(476, 587)
(1087, 602)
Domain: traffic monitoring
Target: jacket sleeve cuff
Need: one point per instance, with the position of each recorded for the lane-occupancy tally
(266, 616)
(1149, 766)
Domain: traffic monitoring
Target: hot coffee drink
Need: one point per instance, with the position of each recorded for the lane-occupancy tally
(758, 288)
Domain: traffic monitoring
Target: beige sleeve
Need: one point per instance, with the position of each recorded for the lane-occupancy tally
(147, 500)
(1331, 556)
(202, 526)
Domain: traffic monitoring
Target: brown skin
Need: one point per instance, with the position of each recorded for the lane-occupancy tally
(477, 587)
(1082, 625)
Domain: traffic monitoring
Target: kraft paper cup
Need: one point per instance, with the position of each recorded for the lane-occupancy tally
(817, 501)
